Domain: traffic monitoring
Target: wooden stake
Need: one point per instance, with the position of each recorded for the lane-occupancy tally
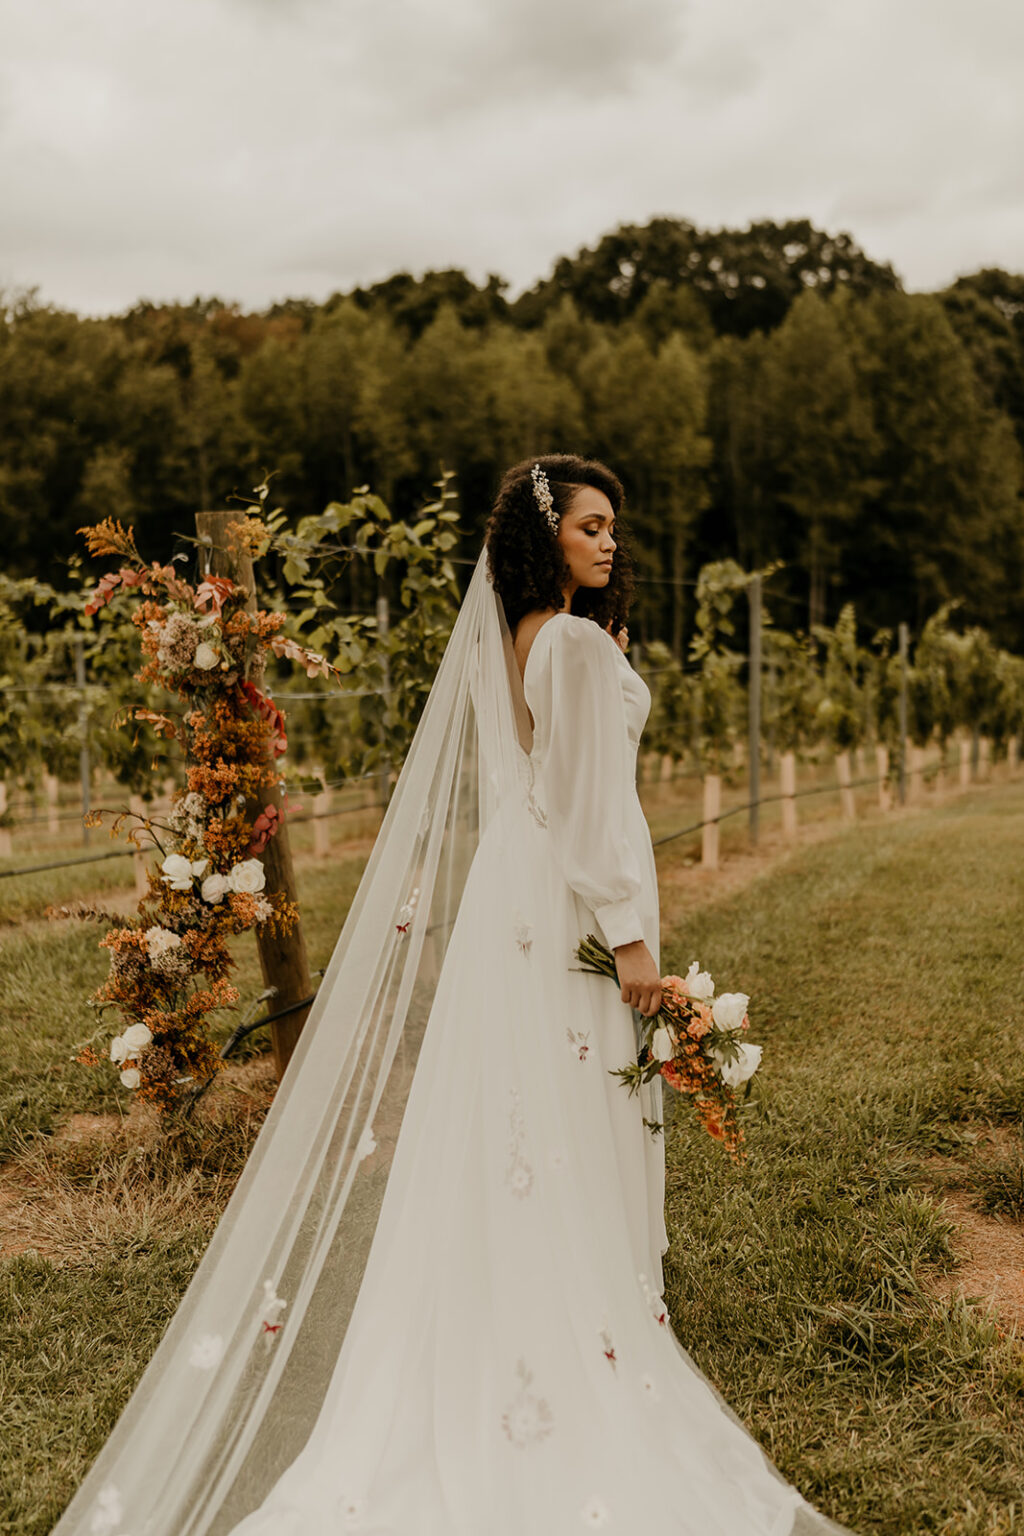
(51, 784)
(321, 827)
(787, 787)
(846, 799)
(283, 959)
(712, 809)
(884, 792)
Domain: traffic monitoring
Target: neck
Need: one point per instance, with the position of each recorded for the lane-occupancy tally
(568, 592)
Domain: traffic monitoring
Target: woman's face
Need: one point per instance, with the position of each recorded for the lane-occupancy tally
(585, 534)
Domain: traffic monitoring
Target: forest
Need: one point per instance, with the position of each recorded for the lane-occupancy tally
(768, 395)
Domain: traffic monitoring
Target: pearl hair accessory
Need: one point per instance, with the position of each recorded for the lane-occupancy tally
(544, 498)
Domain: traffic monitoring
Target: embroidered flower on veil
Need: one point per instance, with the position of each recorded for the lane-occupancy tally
(523, 936)
(579, 1042)
(270, 1312)
(207, 1352)
(595, 1513)
(519, 1173)
(108, 1512)
(528, 1419)
(406, 913)
(352, 1511)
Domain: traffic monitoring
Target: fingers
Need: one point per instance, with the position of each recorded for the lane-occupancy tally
(646, 999)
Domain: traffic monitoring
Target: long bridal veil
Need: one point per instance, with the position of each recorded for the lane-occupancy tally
(236, 1384)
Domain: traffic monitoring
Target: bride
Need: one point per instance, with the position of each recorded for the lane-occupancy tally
(433, 1305)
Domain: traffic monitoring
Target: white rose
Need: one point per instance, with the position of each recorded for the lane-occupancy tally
(159, 940)
(136, 1037)
(131, 1077)
(215, 887)
(698, 983)
(744, 1065)
(118, 1049)
(729, 1010)
(248, 877)
(179, 872)
(206, 657)
(662, 1048)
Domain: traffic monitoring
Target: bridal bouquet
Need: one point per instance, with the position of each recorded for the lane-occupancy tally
(694, 1042)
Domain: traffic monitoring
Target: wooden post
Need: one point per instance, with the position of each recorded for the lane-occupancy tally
(5, 832)
(846, 798)
(667, 766)
(84, 766)
(383, 628)
(754, 702)
(916, 772)
(712, 809)
(787, 787)
(283, 958)
(51, 784)
(965, 762)
(321, 827)
(904, 649)
(884, 792)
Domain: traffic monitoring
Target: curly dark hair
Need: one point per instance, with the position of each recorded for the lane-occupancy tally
(526, 562)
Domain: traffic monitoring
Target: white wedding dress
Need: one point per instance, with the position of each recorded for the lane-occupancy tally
(432, 1304)
(508, 1369)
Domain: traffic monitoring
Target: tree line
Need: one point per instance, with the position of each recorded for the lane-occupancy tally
(769, 395)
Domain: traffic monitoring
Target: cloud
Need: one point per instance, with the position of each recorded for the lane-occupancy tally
(255, 149)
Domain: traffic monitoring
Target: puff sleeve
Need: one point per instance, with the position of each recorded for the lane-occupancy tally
(587, 770)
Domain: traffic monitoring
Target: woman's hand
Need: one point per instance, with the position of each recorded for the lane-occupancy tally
(621, 639)
(638, 977)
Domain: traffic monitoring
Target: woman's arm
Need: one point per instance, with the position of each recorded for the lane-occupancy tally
(588, 783)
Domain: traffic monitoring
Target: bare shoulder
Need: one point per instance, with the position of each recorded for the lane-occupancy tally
(580, 635)
(527, 630)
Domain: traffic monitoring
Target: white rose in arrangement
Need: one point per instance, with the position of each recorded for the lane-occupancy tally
(136, 1037)
(661, 1045)
(214, 888)
(264, 909)
(206, 657)
(698, 983)
(730, 1009)
(160, 940)
(118, 1050)
(743, 1065)
(248, 878)
(131, 1077)
(179, 872)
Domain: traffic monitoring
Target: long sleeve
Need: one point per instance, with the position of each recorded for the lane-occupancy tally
(587, 770)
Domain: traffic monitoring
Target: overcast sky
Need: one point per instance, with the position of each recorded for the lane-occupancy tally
(263, 149)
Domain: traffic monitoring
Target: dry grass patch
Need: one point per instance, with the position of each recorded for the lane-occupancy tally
(109, 1184)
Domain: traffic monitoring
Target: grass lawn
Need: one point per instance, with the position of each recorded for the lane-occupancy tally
(885, 966)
